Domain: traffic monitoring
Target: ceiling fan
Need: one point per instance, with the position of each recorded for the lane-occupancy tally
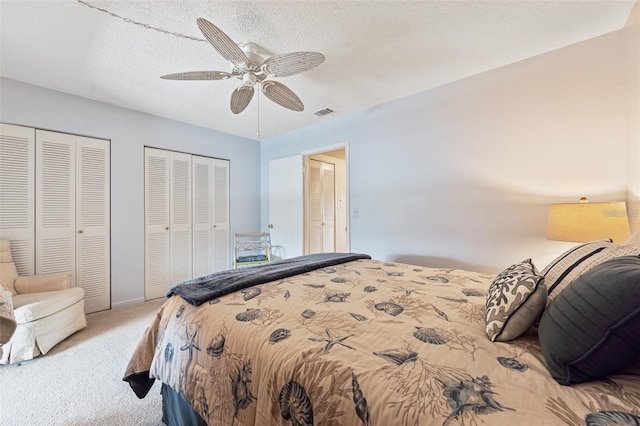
(251, 68)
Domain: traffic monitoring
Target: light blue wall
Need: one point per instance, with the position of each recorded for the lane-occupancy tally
(129, 131)
(458, 176)
(461, 175)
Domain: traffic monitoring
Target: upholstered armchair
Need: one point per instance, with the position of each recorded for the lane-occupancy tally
(45, 308)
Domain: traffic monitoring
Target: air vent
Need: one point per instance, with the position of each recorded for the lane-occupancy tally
(323, 112)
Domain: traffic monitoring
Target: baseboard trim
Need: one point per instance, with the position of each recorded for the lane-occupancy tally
(127, 302)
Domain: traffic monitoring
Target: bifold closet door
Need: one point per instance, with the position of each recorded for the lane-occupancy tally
(157, 243)
(168, 252)
(180, 217)
(17, 194)
(202, 216)
(73, 213)
(210, 215)
(55, 207)
(56, 203)
(221, 237)
(93, 218)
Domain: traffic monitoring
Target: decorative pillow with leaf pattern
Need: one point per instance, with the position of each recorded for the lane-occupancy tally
(515, 301)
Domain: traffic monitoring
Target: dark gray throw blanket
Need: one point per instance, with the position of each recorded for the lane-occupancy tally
(202, 289)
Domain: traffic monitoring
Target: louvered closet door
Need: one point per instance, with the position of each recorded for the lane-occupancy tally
(321, 207)
(180, 217)
(221, 238)
(157, 247)
(328, 208)
(55, 207)
(211, 246)
(93, 223)
(202, 216)
(17, 176)
(314, 209)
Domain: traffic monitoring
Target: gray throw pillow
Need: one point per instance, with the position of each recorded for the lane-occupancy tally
(590, 330)
(515, 301)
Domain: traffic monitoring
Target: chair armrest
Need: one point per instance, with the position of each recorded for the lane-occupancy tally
(43, 282)
(7, 318)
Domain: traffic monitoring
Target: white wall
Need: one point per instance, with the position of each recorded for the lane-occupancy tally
(129, 131)
(632, 45)
(461, 175)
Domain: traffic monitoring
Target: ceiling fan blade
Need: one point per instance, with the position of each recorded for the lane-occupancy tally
(198, 75)
(222, 43)
(291, 63)
(240, 98)
(282, 95)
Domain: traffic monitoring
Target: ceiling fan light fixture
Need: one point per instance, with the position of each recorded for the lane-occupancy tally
(249, 79)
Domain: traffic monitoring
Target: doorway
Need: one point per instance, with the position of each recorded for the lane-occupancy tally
(288, 200)
(325, 202)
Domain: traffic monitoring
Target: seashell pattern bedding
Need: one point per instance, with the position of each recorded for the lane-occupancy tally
(364, 343)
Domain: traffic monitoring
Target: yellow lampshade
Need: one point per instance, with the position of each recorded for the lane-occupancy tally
(585, 221)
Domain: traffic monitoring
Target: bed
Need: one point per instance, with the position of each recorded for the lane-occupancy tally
(347, 340)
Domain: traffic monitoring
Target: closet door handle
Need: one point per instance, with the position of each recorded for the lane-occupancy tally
(80, 231)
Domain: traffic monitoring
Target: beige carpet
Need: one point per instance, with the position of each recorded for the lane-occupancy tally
(79, 382)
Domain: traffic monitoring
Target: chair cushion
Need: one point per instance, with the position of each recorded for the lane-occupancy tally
(32, 306)
(253, 258)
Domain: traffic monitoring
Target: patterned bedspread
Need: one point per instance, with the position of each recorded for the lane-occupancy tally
(364, 343)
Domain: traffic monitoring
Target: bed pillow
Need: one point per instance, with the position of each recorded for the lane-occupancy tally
(615, 251)
(591, 329)
(517, 297)
(557, 273)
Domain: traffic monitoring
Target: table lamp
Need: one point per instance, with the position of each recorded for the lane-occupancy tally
(585, 221)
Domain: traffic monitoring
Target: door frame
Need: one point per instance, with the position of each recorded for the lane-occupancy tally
(321, 150)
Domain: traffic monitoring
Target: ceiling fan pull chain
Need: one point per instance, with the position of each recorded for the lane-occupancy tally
(143, 25)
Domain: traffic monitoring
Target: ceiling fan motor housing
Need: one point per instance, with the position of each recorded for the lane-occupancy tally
(249, 79)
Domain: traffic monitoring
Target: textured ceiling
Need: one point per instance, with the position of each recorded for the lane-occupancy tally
(376, 51)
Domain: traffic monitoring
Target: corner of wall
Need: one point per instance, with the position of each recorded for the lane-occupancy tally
(632, 42)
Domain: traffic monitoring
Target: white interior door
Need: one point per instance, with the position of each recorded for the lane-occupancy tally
(286, 206)
(17, 193)
(180, 217)
(202, 216)
(93, 253)
(210, 215)
(157, 278)
(55, 209)
(314, 207)
(321, 207)
(328, 208)
(221, 238)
